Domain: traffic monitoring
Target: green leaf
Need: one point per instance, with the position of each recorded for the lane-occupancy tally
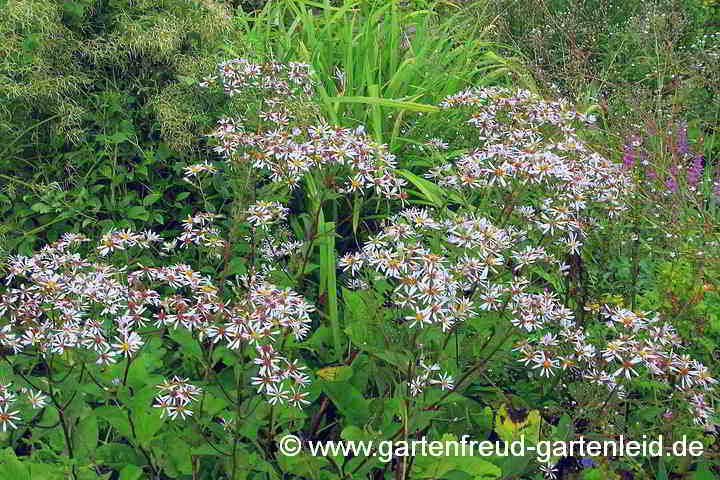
(117, 455)
(137, 213)
(328, 262)
(13, 468)
(510, 427)
(131, 472)
(147, 423)
(187, 342)
(357, 206)
(432, 192)
(564, 428)
(303, 465)
(703, 472)
(433, 466)
(189, 81)
(151, 198)
(348, 400)
(116, 418)
(85, 435)
(40, 208)
(340, 373)
(662, 471)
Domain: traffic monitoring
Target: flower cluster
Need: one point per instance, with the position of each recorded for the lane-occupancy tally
(288, 154)
(448, 267)
(198, 168)
(419, 383)
(58, 301)
(262, 213)
(638, 342)
(8, 398)
(175, 397)
(124, 239)
(198, 230)
(275, 78)
(516, 152)
(281, 88)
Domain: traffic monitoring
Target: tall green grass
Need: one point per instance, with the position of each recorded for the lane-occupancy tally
(376, 63)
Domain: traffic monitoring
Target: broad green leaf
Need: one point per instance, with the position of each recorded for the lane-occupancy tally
(116, 418)
(85, 435)
(147, 423)
(348, 400)
(137, 213)
(564, 428)
(303, 464)
(511, 426)
(12, 468)
(438, 466)
(189, 344)
(40, 208)
(151, 198)
(340, 373)
(131, 472)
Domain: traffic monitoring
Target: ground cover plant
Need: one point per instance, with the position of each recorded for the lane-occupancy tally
(392, 229)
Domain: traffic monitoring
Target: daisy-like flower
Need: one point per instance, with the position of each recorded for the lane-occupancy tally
(445, 381)
(420, 317)
(128, 344)
(7, 418)
(297, 398)
(164, 402)
(264, 382)
(549, 470)
(179, 409)
(683, 369)
(417, 385)
(198, 168)
(276, 394)
(545, 364)
(626, 368)
(352, 262)
(573, 243)
(37, 399)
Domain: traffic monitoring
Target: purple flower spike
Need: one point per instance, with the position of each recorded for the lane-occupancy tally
(696, 170)
(629, 156)
(682, 144)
